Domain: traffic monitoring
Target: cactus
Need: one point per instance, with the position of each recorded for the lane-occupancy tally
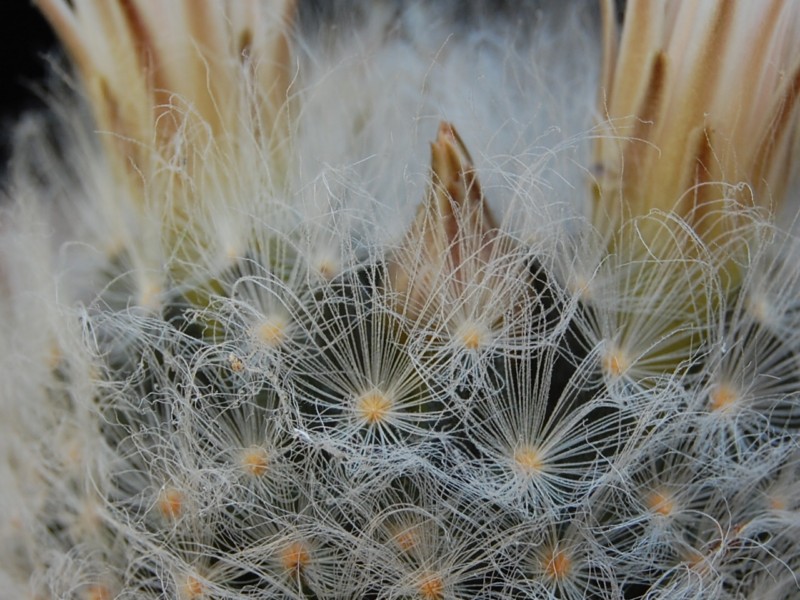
(259, 342)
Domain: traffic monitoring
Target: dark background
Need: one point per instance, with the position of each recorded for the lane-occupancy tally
(24, 38)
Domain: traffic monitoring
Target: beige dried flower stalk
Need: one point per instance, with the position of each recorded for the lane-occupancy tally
(181, 93)
(701, 99)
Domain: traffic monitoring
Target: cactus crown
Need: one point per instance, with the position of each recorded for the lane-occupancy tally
(224, 385)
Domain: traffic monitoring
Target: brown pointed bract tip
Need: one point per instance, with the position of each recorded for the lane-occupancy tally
(461, 215)
(453, 233)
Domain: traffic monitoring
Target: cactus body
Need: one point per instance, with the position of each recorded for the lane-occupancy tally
(404, 311)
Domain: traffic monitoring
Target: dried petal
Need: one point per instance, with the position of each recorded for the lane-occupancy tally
(453, 234)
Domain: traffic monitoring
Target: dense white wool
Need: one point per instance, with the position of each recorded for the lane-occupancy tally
(334, 319)
(407, 70)
(105, 246)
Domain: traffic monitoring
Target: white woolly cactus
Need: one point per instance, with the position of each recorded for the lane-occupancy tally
(260, 341)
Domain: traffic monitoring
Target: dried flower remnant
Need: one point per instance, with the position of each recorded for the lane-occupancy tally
(175, 89)
(701, 101)
(457, 273)
(453, 234)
